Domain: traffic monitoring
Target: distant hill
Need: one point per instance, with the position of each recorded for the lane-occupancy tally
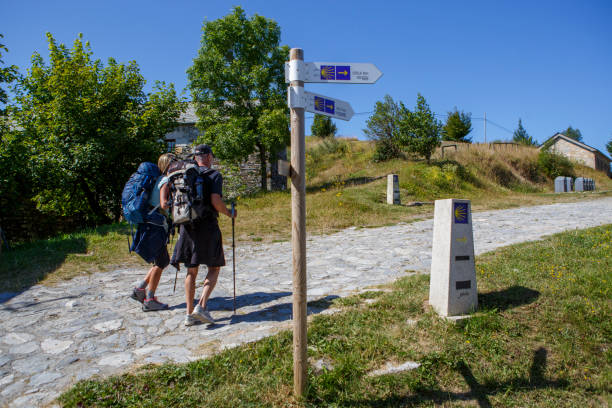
(469, 168)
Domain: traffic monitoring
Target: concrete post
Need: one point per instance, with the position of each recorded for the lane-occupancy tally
(393, 193)
(452, 289)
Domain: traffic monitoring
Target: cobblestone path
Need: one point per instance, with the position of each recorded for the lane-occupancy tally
(51, 337)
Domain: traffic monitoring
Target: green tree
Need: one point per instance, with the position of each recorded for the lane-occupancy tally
(521, 136)
(322, 126)
(87, 127)
(458, 126)
(383, 129)
(573, 133)
(419, 130)
(237, 82)
(7, 75)
(14, 175)
(609, 147)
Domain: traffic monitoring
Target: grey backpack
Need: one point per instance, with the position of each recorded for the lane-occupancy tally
(190, 192)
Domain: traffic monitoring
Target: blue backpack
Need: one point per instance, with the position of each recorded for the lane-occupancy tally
(135, 196)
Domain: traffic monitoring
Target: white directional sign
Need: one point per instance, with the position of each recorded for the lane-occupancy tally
(328, 106)
(334, 72)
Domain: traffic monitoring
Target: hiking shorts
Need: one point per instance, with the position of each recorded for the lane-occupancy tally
(163, 258)
(199, 243)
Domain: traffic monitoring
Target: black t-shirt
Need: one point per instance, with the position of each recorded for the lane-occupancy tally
(215, 185)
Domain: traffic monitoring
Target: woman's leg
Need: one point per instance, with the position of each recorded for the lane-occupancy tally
(190, 280)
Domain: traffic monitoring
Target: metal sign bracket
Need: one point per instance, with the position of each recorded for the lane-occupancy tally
(296, 98)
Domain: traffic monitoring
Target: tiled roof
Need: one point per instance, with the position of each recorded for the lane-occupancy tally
(189, 116)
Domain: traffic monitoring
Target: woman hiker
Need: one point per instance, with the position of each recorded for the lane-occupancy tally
(144, 291)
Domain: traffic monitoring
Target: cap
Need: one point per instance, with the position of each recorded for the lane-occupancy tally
(202, 149)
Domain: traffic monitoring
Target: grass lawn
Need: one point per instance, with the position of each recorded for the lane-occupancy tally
(542, 337)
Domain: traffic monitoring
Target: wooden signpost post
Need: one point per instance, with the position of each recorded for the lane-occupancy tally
(297, 72)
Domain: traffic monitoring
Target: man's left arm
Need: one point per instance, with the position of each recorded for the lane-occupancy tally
(216, 194)
(220, 206)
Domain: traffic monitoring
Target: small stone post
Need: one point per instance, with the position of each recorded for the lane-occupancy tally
(452, 289)
(393, 194)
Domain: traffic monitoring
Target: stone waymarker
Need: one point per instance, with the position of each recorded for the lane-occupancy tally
(452, 289)
(584, 184)
(569, 184)
(393, 193)
(560, 184)
(564, 184)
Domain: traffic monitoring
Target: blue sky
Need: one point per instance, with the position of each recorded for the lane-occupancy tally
(546, 62)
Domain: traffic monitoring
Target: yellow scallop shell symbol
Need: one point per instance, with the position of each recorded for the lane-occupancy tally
(460, 213)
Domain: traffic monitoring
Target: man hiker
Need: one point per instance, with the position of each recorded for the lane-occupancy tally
(144, 290)
(200, 242)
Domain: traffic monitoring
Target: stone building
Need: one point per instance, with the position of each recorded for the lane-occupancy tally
(578, 151)
(186, 132)
(181, 140)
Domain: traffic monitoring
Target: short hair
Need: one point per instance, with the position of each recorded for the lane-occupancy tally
(164, 161)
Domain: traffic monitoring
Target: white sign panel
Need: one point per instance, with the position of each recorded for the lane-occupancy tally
(336, 72)
(325, 105)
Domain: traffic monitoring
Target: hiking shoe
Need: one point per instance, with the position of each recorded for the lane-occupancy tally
(202, 315)
(190, 321)
(150, 305)
(138, 294)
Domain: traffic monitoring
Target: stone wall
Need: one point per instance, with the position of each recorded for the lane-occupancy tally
(250, 176)
(181, 141)
(574, 152)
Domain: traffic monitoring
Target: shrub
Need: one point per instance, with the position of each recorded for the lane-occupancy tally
(528, 168)
(386, 150)
(331, 145)
(330, 149)
(503, 175)
(554, 165)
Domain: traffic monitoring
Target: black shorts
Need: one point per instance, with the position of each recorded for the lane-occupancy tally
(199, 243)
(163, 258)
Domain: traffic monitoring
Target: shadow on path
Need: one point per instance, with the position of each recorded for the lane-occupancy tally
(21, 306)
(279, 313)
(227, 302)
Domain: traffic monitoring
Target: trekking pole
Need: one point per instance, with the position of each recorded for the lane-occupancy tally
(128, 238)
(234, 254)
(175, 276)
(172, 231)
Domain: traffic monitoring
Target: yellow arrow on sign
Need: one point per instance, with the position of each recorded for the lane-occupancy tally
(330, 106)
(463, 239)
(343, 72)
